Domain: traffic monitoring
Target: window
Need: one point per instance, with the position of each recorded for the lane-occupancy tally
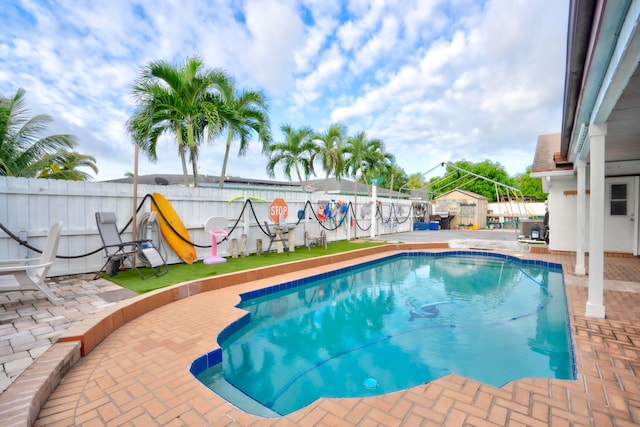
(618, 205)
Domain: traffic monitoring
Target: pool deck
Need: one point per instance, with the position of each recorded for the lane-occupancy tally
(138, 375)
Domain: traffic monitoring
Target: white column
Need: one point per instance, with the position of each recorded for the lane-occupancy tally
(351, 219)
(595, 300)
(374, 206)
(245, 216)
(581, 206)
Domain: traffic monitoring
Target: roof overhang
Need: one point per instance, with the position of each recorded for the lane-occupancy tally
(546, 177)
(580, 22)
(552, 174)
(606, 91)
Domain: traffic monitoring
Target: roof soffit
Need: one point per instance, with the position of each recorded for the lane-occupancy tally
(600, 74)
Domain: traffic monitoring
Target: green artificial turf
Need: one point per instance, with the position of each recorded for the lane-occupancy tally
(184, 272)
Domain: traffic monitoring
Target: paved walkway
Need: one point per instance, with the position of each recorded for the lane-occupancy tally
(29, 323)
(137, 375)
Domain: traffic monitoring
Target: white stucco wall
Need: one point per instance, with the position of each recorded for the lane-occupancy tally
(562, 214)
(562, 208)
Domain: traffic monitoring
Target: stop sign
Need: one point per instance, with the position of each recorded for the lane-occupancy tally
(278, 208)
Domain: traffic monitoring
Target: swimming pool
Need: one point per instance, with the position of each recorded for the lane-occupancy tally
(392, 324)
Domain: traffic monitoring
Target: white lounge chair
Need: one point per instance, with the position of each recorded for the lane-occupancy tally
(30, 273)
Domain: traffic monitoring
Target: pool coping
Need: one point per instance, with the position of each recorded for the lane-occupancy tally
(21, 402)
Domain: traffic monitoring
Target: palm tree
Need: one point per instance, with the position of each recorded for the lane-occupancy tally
(249, 113)
(295, 152)
(182, 100)
(416, 181)
(389, 172)
(24, 151)
(364, 155)
(65, 165)
(330, 146)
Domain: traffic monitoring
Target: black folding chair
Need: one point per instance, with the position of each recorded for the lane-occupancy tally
(118, 252)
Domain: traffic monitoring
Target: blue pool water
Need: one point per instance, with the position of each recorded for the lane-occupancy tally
(390, 325)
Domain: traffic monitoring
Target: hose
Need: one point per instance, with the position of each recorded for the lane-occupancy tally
(149, 229)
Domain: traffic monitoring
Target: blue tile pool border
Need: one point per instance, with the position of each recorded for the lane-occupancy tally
(213, 358)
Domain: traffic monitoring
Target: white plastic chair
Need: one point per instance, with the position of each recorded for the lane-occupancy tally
(30, 273)
(216, 227)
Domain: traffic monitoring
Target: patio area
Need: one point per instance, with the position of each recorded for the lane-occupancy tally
(138, 375)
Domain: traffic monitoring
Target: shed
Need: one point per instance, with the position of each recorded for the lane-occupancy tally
(465, 209)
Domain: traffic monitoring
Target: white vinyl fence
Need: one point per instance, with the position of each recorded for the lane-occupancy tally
(29, 206)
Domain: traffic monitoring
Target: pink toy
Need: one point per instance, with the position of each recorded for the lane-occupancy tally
(214, 258)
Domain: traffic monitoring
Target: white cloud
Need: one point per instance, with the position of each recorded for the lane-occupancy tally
(379, 44)
(444, 53)
(327, 74)
(367, 17)
(277, 32)
(421, 20)
(436, 80)
(316, 37)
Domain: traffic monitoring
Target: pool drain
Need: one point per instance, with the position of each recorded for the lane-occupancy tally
(371, 383)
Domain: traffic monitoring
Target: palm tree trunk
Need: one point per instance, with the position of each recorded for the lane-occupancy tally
(224, 161)
(391, 187)
(192, 152)
(299, 176)
(194, 165)
(183, 160)
(366, 183)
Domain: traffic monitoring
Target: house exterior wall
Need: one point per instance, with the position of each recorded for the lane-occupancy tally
(562, 202)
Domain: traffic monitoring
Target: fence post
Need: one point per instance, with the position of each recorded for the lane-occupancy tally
(234, 248)
(292, 238)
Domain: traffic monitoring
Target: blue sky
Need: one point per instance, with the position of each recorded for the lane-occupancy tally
(435, 80)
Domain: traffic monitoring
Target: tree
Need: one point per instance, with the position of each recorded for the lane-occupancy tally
(295, 152)
(248, 113)
(531, 187)
(181, 100)
(64, 165)
(365, 156)
(329, 150)
(24, 152)
(466, 175)
(393, 177)
(416, 181)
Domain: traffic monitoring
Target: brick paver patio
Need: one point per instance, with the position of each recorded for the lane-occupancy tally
(30, 324)
(139, 375)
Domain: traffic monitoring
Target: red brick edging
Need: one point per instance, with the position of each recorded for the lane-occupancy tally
(21, 402)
